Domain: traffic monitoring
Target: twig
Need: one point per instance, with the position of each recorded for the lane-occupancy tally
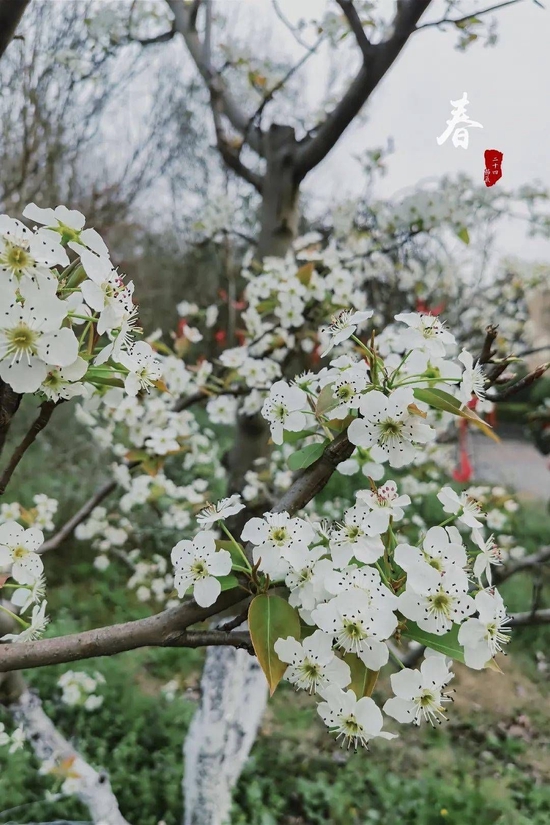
(286, 22)
(524, 382)
(500, 574)
(234, 623)
(46, 410)
(487, 350)
(529, 618)
(446, 20)
(70, 526)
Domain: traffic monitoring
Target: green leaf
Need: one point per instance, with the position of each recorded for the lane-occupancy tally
(228, 582)
(291, 438)
(306, 456)
(363, 680)
(464, 235)
(325, 400)
(441, 400)
(271, 618)
(447, 644)
(236, 558)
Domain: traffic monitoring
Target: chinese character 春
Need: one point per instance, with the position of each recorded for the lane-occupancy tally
(458, 115)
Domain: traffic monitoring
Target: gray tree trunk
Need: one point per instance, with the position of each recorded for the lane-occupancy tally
(233, 688)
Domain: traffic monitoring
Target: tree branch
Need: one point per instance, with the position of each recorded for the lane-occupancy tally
(487, 350)
(458, 20)
(166, 629)
(11, 12)
(380, 57)
(184, 22)
(500, 574)
(70, 526)
(46, 410)
(91, 787)
(357, 27)
(524, 382)
(529, 618)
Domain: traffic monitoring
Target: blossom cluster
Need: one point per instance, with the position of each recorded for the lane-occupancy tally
(68, 320)
(79, 689)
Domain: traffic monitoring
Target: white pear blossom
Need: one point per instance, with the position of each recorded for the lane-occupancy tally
(425, 332)
(307, 575)
(442, 554)
(144, 368)
(64, 382)
(273, 536)
(490, 555)
(473, 378)
(39, 622)
(484, 636)
(104, 291)
(18, 550)
(26, 257)
(197, 563)
(355, 721)
(313, 663)
(285, 409)
(388, 428)
(343, 326)
(221, 510)
(24, 597)
(32, 340)
(419, 694)
(466, 508)
(357, 537)
(436, 608)
(357, 626)
(385, 502)
(68, 223)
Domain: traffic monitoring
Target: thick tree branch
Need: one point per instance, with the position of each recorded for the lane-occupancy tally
(91, 787)
(380, 57)
(445, 21)
(11, 12)
(184, 22)
(314, 478)
(166, 629)
(46, 410)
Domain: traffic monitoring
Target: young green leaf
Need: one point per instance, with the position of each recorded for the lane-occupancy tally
(306, 456)
(463, 233)
(363, 680)
(447, 644)
(271, 618)
(441, 400)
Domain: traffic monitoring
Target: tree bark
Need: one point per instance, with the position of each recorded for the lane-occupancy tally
(11, 12)
(91, 787)
(233, 699)
(9, 404)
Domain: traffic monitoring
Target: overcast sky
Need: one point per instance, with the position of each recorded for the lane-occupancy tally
(509, 91)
